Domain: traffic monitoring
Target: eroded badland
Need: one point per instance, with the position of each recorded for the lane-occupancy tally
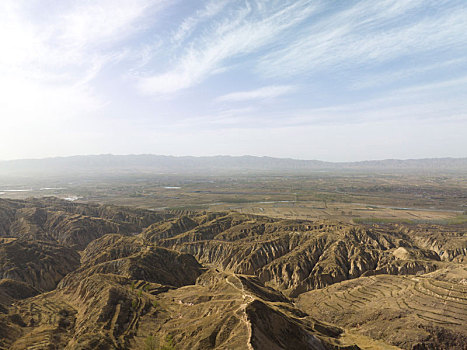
(377, 262)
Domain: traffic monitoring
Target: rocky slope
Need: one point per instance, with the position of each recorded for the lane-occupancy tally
(228, 311)
(77, 276)
(293, 256)
(40, 264)
(70, 224)
(128, 293)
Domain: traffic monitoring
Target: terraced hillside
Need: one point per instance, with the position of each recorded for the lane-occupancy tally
(77, 276)
(402, 310)
(295, 256)
(132, 295)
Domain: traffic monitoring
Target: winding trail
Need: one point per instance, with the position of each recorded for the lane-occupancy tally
(247, 299)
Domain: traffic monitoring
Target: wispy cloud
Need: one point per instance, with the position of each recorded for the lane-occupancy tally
(188, 25)
(370, 32)
(418, 103)
(257, 94)
(245, 30)
(96, 66)
(50, 63)
(73, 36)
(397, 75)
(291, 38)
(52, 53)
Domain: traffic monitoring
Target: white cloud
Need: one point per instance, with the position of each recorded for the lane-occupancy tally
(211, 9)
(47, 66)
(258, 94)
(72, 35)
(368, 32)
(443, 103)
(100, 22)
(243, 32)
(52, 53)
(62, 60)
(397, 75)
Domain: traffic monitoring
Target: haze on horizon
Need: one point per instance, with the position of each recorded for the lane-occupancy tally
(344, 81)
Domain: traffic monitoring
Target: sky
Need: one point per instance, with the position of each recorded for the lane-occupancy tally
(327, 80)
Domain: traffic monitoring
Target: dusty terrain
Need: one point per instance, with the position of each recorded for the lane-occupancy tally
(89, 276)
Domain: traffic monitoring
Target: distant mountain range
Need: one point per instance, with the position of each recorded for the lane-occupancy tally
(148, 163)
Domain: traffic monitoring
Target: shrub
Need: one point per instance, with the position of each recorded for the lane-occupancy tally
(150, 343)
(169, 343)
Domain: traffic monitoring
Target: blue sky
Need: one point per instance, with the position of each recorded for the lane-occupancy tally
(329, 80)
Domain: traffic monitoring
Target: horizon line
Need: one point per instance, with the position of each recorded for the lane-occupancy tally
(224, 155)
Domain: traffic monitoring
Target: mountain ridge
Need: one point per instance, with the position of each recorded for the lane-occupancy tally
(105, 163)
(224, 280)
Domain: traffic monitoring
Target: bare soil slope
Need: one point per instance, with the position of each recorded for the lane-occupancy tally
(77, 276)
